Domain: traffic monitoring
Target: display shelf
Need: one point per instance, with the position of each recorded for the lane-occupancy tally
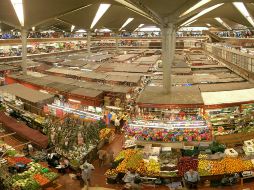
(168, 131)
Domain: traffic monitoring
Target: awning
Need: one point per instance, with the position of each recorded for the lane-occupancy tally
(226, 97)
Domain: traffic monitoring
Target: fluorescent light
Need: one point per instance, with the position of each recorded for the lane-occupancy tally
(138, 27)
(196, 6)
(126, 23)
(75, 101)
(223, 23)
(18, 7)
(72, 28)
(81, 31)
(190, 22)
(33, 28)
(101, 11)
(202, 13)
(242, 9)
(208, 24)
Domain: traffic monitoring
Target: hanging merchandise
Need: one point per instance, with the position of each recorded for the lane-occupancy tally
(74, 137)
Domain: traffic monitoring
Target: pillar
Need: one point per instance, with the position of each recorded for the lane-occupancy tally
(24, 50)
(168, 49)
(89, 42)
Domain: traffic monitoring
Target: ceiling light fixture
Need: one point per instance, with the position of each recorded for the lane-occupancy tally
(196, 6)
(126, 23)
(243, 10)
(223, 23)
(33, 28)
(18, 7)
(141, 25)
(72, 28)
(202, 13)
(190, 22)
(209, 25)
(101, 11)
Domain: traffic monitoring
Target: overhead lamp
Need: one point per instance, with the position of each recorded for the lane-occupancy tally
(190, 22)
(33, 28)
(209, 25)
(18, 7)
(202, 13)
(223, 23)
(138, 27)
(101, 11)
(72, 28)
(126, 23)
(196, 6)
(242, 9)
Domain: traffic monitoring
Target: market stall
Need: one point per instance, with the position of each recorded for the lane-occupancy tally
(23, 131)
(33, 100)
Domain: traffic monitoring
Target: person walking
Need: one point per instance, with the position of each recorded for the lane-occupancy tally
(102, 154)
(117, 126)
(86, 172)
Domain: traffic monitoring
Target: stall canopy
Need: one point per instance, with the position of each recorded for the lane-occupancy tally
(24, 131)
(178, 96)
(224, 97)
(25, 93)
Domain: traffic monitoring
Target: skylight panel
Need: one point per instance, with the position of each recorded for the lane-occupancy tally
(196, 6)
(101, 11)
(126, 23)
(18, 7)
(242, 9)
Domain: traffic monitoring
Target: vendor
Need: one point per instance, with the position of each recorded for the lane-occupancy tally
(53, 159)
(191, 178)
(130, 176)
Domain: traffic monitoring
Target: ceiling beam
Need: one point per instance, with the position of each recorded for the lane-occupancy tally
(62, 14)
(140, 9)
(10, 24)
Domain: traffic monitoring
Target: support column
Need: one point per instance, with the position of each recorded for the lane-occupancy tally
(24, 50)
(89, 42)
(168, 49)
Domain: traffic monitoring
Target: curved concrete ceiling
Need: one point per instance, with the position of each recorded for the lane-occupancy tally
(64, 13)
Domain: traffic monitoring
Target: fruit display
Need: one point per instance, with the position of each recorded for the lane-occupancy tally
(26, 184)
(125, 154)
(40, 179)
(187, 163)
(33, 178)
(134, 162)
(111, 173)
(105, 133)
(152, 168)
(14, 160)
(247, 164)
(204, 167)
(51, 175)
(217, 167)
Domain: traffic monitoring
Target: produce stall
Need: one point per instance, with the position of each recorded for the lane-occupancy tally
(20, 172)
(165, 164)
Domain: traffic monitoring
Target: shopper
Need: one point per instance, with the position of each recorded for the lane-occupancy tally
(102, 154)
(191, 178)
(117, 125)
(86, 172)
